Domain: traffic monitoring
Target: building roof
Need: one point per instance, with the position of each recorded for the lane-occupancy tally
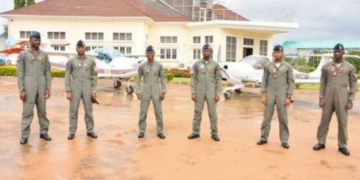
(156, 10)
(322, 44)
(223, 13)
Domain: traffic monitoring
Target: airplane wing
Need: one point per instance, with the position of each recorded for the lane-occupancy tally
(14, 50)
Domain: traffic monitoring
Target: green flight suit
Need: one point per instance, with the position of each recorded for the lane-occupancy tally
(278, 84)
(206, 84)
(34, 76)
(150, 90)
(81, 81)
(334, 90)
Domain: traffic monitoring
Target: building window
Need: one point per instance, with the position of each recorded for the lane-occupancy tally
(88, 48)
(168, 39)
(122, 36)
(196, 39)
(231, 49)
(196, 54)
(263, 47)
(24, 46)
(96, 36)
(168, 53)
(25, 34)
(56, 35)
(248, 41)
(209, 39)
(123, 50)
(58, 48)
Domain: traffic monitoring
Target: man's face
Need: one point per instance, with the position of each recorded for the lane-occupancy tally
(80, 50)
(35, 43)
(150, 55)
(338, 54)
(206, 53)
(278, 54)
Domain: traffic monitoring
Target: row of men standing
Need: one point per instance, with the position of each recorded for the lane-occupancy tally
(34, 82)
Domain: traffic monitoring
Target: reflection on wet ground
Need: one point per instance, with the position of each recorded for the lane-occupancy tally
(118, 154)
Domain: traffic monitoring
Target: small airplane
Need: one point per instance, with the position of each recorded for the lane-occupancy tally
(250, 69)
(118, 66)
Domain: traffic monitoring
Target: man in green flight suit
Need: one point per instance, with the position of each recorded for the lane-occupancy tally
(152, 71)
(277, 87)
(34, 83)
(205, 86)
(336, 78)
(80, 84)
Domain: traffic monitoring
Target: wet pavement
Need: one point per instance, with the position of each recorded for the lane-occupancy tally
(119, 154)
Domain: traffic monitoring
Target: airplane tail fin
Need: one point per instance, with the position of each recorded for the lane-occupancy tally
(317, 71)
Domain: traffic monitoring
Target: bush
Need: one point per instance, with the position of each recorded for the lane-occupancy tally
(169, 76)
(297, 86)
(178, 72)
(358, 76)
(9, 70)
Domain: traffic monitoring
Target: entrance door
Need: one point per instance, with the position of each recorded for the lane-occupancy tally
(247, 52)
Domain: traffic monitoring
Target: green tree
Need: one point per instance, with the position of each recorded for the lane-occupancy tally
(354, 61)
(21, 3)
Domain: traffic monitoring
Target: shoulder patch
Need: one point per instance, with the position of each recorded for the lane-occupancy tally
(19, 58)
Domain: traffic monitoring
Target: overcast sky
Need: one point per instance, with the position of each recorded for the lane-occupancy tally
(318, 19)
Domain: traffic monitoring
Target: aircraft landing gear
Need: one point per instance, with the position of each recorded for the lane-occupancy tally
(130, 89)
(238, 91)
(227, 94)
(117, 84)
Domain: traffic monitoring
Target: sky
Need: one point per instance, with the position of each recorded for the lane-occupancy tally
(317, 19)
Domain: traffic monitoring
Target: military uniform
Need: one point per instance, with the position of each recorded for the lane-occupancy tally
(278, 84)
(334, 91)
(34, 77)
(205, 84)
(151, 91)
(81, 81)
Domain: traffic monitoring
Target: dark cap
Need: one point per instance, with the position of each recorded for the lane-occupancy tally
(278, 48)
(206, 46)
(35, 34)
(149, 49)
(80, 43)
(339, 46)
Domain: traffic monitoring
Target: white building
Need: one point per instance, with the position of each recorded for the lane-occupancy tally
(176, 28)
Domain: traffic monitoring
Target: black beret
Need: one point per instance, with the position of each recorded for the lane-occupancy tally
(149, 48)
(35, 34)
(206, 46)
(80, 43)
(278, 48)
(339, 46)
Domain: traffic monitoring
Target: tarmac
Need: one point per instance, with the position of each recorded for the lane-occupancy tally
(119, 155)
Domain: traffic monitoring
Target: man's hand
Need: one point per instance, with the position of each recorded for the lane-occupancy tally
(217, 98)
(93, 95)
(23, 95)
(162, 96)
(349, 105)
(287, 101)
(193, 97)
(47, 94)
(263, 100)
(69, 96)
(322, 103)
(139, 96)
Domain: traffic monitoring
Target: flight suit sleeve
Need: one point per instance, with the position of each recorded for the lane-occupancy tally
(21, 71)
(353, 84)
(162, 79)
(323, 80)
(290, 81)
(193, 79)
(68, 73)
(264, 82)
(217, 80)
(94, 76)
(48, 73)
(138, 80)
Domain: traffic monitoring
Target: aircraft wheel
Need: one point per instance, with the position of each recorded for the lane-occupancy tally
(238, 91)
(130, 90)
(8, 62)
(117, 84)
(227, 95)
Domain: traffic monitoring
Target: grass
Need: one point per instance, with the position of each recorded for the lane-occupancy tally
(309, 87)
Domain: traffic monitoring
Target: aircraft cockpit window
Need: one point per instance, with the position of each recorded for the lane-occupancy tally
(258, 62)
